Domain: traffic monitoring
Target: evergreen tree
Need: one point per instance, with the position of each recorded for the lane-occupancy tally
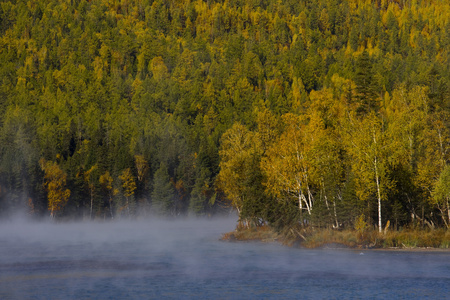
(365, 86)
(199, 199)
(163, 192)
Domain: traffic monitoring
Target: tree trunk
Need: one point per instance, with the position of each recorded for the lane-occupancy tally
(308, 208)
(110, 208)
(378, 195)
(128, 207)
(335, 213)
(300, 204)
(448, 215)
(310, 200)
(92, 203)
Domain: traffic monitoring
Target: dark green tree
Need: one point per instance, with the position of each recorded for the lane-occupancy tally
(365, 92)
(163, 192)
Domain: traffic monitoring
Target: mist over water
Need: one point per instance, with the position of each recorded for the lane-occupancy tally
(184, 259)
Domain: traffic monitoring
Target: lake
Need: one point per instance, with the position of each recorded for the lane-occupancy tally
(184, 259)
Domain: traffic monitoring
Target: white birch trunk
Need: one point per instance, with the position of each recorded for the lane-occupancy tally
(448, 214)
(300, 204)
(335, 213)
(308, 208)
(378, 194)
(310, 200)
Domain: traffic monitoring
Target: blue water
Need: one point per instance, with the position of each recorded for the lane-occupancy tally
(185, 260)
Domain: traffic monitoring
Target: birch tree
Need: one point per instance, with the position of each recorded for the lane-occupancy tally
(369, 149)
(288, 164)
(441, 195)
(239, 153)
(407, 112)
(432, 164)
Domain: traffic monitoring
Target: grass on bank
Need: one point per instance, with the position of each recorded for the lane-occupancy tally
(260, 233)
(369, 238)
(405, 239)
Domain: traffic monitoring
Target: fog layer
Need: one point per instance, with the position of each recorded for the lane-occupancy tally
(185, 259)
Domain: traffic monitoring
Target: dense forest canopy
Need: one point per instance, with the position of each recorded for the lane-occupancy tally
(319, 112)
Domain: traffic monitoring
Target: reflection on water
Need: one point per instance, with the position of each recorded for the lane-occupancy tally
(185, 259)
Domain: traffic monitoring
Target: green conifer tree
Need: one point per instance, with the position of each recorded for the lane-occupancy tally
(365, 85)
(163, 191)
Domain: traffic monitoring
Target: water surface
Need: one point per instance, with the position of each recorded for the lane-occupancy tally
(186, 260)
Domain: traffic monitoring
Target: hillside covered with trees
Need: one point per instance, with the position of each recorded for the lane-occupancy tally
(318, 112)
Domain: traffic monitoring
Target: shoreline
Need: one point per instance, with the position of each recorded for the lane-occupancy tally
(389, 249)
(395, 241)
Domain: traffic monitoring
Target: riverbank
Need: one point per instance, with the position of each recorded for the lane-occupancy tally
(406, 239)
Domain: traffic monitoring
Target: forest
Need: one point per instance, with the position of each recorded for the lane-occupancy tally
(324, 113)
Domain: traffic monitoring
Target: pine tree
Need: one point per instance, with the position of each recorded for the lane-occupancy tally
(163, 193)
(365, 85)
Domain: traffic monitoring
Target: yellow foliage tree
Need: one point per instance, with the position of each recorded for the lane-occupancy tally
(106, 181)
(371, 151)
(239, 147)
(55, 182)
(159, 69)
(141, 166)
(290, 164)
(129, 186)
(433, 162)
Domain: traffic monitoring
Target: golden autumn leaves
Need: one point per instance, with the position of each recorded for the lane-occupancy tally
(312, 157)
(55, 183)
(295, 157)
(55, 180)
